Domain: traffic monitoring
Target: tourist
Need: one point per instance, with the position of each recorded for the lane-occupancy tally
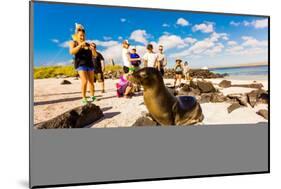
(178, 71)
(150, 58)
(161, 59)
(83, 62)
(99, 66)
(186, 71)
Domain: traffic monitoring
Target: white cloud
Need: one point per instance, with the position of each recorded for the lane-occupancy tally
(107, 38)
(232, 43)
(104, 43)
(120, 37)
(204, 27)
(215, 50)
(261, 23)
(165, 25)
(233, 23)
(170, 41)
(250, 41)
(55, 40)
(190, 40)
(64, 44)
(123, 19)
(182, 22)
(139, 36)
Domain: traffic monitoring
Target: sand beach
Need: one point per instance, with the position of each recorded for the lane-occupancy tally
(52, 99)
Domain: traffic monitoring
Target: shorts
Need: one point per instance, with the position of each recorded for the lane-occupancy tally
(98, 77)
(84, 68)
(126, 69)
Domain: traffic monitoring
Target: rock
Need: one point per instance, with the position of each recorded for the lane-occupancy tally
(218, 97)
(65, 82)
(205, 97)
(225, 84)
(193, 84)
(206, 87)
(239, 97)
(263, 113)
(76, 118)
(252, 85)
(145, 121)
(233, 107)
(257, 96)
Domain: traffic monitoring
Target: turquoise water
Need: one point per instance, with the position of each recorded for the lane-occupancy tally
(243, 71)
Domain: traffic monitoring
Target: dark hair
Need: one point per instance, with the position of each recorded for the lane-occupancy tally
(149, 46)
(82, 30)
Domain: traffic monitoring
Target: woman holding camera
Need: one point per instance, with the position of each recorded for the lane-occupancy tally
(83, 63)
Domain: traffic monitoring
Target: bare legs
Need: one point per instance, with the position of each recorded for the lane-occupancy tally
(177, 77)
(87, 76)
(91, 82)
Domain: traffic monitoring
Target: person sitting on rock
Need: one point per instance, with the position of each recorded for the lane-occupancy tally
(124, 87)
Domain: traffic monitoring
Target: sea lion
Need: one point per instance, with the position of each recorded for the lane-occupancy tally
(163, 106)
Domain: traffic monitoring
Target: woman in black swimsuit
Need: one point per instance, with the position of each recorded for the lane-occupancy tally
(178, 70)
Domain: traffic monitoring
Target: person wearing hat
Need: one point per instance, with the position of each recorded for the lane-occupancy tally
(178, 71)
(126, 56)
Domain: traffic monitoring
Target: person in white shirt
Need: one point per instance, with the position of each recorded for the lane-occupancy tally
(162, 59)
(126, 56)
(150, 58)
(186, 70)
(127, 66)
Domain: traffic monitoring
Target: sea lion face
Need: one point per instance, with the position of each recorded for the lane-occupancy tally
(147, 77)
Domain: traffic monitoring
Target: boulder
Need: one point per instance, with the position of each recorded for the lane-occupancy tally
(263, 113)
(233, 107)
(65, 82)
(257, 96)
(193, 84)
(205, 97)
(76, 118)
(144, 121)
(225, 84)
(218, 97)
(239, 97)
(252, 85)
(205, 86)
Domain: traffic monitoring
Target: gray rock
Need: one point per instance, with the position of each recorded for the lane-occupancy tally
(76, 118)
(233, 107)
(144, 121)
(225, 84)
(239, 97)
(257, 96)
(65, 82)
(218, 97)
(263, 113)
(206, 87)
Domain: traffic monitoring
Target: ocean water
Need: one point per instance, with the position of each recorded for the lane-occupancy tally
(243, 71)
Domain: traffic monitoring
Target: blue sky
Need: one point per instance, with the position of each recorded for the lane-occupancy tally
(199, 38)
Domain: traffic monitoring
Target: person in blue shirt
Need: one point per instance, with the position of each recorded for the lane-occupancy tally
(135, 59)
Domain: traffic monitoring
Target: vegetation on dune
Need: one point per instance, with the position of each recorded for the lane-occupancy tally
(43, 72)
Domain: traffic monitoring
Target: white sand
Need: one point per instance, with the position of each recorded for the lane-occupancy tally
(52, 99)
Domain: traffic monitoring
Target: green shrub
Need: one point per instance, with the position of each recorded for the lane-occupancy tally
(53, 71)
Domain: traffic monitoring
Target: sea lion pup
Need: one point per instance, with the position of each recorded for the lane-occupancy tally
(164, 107)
